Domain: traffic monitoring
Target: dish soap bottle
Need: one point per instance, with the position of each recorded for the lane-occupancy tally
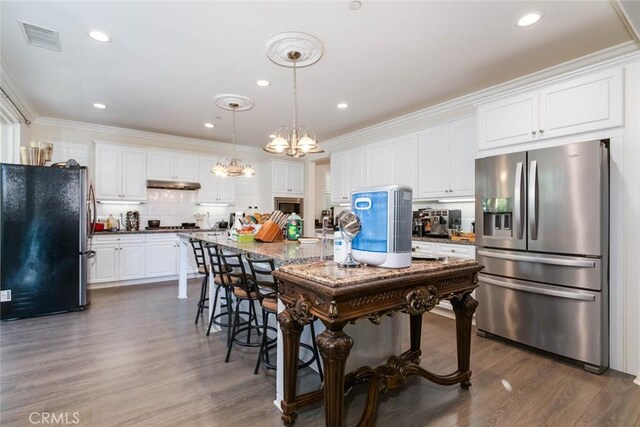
(294, 225)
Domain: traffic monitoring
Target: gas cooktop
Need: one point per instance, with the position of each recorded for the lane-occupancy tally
(172, 227)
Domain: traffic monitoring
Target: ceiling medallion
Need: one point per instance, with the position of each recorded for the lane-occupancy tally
(294, 50)
(233, 166)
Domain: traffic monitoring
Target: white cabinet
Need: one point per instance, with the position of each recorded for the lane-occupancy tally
(455, 251)
(162, 257)
(120, 173)
(424, 249)
(117, 258)
(63, 151)
(583, 104)
(170, 166)
(377, 168)
(348, 171)
(446, 158)
(404, 161)
(213, 188)
(287, 178)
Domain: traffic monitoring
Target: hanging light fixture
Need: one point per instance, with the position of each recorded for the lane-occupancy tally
(233, 166)
(294, 50)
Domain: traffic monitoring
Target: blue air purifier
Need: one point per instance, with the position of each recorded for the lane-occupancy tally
(385, 236)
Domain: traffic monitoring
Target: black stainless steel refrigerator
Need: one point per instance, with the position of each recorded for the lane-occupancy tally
(542, 233)
(45, 230)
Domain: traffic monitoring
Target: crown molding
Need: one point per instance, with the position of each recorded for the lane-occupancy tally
(466, 105)
(16, 93)
(113, 130)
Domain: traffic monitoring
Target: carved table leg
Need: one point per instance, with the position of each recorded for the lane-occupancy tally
(291, 330)
(415, 325)
(464, 309)
(335, 346)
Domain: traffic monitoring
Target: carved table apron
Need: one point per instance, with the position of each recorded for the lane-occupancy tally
(339, 296)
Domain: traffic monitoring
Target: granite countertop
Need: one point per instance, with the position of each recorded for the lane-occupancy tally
(283, 253)
(108, 233)
(440, 240)
(329, 274)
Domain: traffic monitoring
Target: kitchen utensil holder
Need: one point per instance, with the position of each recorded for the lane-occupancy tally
(269, 232)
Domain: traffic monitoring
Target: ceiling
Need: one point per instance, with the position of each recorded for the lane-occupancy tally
(169, 59)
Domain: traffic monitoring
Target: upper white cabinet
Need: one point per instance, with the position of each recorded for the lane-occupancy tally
(348, 171)
(170, 166)
(120, 173)
(213, 188)
(404, 161)
(446, 157)
(377, 165)
(584, 104)
(287, 178)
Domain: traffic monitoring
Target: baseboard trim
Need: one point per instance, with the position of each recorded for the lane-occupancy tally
(148, 280)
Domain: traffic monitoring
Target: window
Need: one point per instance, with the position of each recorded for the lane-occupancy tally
(326, 202)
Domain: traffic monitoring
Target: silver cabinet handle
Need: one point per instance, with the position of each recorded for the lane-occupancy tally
(450, 191)
(518, 208)
(541, 130)
(582, 296)
(533, 200)
(539, 259)
(533, 132)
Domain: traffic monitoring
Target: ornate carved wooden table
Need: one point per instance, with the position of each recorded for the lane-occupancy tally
(338, 296)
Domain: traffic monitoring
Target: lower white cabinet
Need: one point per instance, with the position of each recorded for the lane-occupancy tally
(456, 251)
(103, 265)
(117, 258)
(162, 257)
(129, 256)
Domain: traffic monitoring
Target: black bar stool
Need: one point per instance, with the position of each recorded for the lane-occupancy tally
(222, 280)
(265, 286)
(198, 253)
(243, 290)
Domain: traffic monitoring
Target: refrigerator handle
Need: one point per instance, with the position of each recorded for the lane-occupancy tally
(533, 200)
(519, 202)
(94, 210)
(582, 296)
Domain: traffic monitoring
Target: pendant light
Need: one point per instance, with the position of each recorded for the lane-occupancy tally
(294, 50)
(233, 166)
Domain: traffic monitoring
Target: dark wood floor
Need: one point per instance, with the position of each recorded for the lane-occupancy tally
(136, 358)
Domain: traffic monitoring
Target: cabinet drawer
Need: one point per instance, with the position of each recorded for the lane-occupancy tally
(119, 238)
(458, 251)
(161, 237)
(424, 248)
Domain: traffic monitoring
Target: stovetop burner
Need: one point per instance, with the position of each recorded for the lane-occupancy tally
(172, 227)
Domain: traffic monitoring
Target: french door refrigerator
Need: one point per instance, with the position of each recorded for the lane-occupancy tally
(542, 233)
(44, 239)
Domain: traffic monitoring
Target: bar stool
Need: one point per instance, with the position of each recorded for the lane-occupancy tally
(265, 286)
(198, 253)
(243, 290)
(223, 280)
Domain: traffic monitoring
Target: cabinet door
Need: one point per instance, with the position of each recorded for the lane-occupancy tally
(296, 178)
(280, 177)
(131, 261)
(355, 170)
(108, 172)
(134, 174)
(462, 158)
(507, 121)
(160, 165)
(226, 189)
(161, 258)
(208, 192)
(377, 165)
(185, 168)
(404, 161)
(586, 104)
(433, 157)
(338, 178)
(104, 264)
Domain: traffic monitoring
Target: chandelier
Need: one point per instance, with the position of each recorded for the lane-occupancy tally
(233, 166)
(294, 50)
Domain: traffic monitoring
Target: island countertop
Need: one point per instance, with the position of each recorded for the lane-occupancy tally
(283, 253)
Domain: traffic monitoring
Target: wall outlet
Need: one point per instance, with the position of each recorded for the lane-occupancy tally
(5, 296)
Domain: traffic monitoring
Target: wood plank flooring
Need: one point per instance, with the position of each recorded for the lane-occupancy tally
(136, 358)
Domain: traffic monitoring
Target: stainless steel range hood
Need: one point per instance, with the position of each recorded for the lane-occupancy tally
(173, 185)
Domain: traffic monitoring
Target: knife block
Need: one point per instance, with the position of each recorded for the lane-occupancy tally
(269, 232)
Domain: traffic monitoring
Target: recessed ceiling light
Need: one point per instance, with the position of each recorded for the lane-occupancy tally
(529, 19)
(342, 105)
(99, 106)
(99, 36)
(263, 83)
(272, 136)
(355, 5)
(209, 125)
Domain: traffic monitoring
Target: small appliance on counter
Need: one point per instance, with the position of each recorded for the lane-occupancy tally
(385, 237)
(440, 221)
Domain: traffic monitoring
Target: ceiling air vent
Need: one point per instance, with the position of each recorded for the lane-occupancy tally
(41, 37)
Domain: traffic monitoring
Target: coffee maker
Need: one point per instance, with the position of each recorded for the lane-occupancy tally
(443, 220)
